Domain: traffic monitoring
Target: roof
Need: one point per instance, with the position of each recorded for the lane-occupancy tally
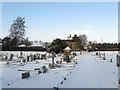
(67, 48)
(68, 38)
(38, 45)
(21, 45)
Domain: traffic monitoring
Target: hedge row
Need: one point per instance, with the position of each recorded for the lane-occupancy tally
(23, 49)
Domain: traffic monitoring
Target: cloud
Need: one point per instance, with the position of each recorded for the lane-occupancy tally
(88, 25)
(78, 32)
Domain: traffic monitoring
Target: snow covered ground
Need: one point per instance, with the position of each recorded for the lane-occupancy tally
(89, 72)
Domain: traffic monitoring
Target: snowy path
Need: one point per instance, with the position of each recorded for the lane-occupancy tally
(91, 73)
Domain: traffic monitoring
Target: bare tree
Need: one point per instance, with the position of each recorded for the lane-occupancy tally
(83, 39)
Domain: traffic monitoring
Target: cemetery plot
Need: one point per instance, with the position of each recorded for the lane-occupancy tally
(85, 69)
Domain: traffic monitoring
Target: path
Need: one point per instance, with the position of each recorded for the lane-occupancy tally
(91, 73)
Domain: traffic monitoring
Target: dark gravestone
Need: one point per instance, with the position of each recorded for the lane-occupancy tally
(43, 56)
(74, 54)
(34, 57)
(37, 69)
(11, 56)
(110, 60)
(118, 60)
(96, 53)
(6, 57)
(67, 59)
(55, 87)
(27, 58)
(21, 54)
(39, 72)
(44, 69)
(25, 75)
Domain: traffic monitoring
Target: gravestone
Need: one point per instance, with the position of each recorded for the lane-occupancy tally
(118, 60)
(39, 56)
(27, 58)
(104, 57)
(39, 72)
(44, 69)
(31, 57)
(34, 57)
(110, 60)
(25, 74)
(11, 56)
(96, 53)
(21, 54)
(6, 57)
(37, 69)
(99, 55)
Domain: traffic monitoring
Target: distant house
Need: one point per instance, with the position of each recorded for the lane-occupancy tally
(38, 44)
(73, 42)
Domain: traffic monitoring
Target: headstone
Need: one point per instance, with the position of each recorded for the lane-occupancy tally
(27, 58)
(31, 57)
(11, 56)
(6, 57)
(43, 56)
(44, 69)
(34, 57)
(39, 72)
(55, 87)
(74, 54)
(104, 57)
(51, 66)
(110, 60)
(21, 54)
(118, 61)
(8, 63)
(25, 74)
(67, 59)
(61, 82)
(99, 55)
(36, 62)
(39, 56)
(96, 53)
(37, 69)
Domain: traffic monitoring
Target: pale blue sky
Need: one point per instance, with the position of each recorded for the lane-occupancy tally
(49, 20)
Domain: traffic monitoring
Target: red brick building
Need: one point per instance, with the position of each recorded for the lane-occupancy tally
(74, 42)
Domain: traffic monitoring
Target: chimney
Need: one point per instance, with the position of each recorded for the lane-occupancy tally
(75, 35)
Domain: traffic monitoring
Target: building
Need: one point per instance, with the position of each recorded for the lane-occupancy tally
(74, 42)
(38, 44)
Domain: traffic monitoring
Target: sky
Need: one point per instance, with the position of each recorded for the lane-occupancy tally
(47, 21)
